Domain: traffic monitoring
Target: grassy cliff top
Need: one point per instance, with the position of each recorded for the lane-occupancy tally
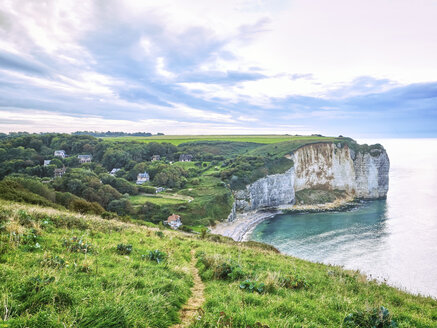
(180, 139)
(60, 269)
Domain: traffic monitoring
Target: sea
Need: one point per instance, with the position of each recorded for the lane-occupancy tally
(392, 240)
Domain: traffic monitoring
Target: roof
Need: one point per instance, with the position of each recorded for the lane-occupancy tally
(83, 156)
(173, 217)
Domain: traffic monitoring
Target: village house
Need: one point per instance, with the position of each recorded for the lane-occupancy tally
(185, 158)
(159, 189)
(143, 177)
(60, 153)
(60, 172)
(84, 158)
(156, 158)
(114, 171)
(174, 221)
(47, 162)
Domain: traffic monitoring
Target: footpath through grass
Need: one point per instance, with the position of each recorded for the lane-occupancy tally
(60, 269)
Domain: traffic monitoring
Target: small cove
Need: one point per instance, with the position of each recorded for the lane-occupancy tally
(393, 239)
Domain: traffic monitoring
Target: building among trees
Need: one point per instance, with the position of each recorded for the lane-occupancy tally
(174, 221)
(185, 158)
(143, 177)
(60, 153)
(84, 158)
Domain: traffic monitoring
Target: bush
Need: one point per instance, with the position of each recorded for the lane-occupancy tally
(83, 206)
(221, 270)
(375, 318)
(155, 256)
(76, 245)
(123, 249)
(252, 286)
(294, 281)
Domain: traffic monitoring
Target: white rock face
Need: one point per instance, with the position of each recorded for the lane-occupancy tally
(371, 174)
(324, 166)
(273, 190)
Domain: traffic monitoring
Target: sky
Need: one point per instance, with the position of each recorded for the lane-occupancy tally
(365, 69)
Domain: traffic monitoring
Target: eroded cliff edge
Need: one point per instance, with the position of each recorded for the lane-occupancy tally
(361, 173)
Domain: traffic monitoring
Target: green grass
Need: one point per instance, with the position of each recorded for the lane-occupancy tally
(50, 286)
(158, 200)
(177, 140)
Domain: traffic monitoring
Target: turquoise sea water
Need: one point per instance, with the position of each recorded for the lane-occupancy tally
(393, 239)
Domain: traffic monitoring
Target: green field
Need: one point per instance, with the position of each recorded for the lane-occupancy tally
(177, 140)
(158, 200)
(61, 269)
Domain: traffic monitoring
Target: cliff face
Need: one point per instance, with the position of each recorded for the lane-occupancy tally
(334, 166)
(273, 190)
(322, 166)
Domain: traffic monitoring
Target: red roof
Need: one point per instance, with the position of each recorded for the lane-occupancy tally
(173, 217)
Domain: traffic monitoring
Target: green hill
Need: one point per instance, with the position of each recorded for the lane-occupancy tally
(62, 269)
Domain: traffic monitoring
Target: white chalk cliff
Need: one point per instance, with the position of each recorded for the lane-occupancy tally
(323, 166)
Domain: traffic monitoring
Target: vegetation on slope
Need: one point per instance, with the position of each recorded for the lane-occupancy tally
(62, 269)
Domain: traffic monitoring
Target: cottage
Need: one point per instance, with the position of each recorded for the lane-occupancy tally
(60, 153)
(47, 162)
(156, 158)
(185, 158)
(84, 158)
(114, 171)
(159, 189)
(143, 177)
(60, 172)
(174, 221)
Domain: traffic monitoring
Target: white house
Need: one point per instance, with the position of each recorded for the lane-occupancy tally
(60, 153)
(84, 158)
(143, 177)
(174, 221)
(114, 171)
(159, 189)
(47, 162)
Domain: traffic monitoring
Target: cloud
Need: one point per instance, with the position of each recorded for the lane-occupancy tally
(205, 66)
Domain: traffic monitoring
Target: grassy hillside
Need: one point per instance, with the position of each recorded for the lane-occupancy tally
(177, 140)
(60, 269)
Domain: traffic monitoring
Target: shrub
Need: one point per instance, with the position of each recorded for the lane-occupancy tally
(160, 234)
(252, 286)
(30, 241)
(53, 262)
(76, 245)
(155, 256)
(294, 281)
(123, 249)
(375, 318)
(222, 270)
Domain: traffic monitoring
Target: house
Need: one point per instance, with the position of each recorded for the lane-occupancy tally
(60, 172)
(143, 177)
(156, 158)
(159, 189)
(114, 171)
(47, 162)
(60, 153)
(84, 158)
(174, 221)
(185, 158)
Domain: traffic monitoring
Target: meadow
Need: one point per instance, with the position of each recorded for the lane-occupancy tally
(180, 139)
(62, 269)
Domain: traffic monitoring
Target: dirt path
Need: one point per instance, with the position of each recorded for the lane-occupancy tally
(194, 303)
